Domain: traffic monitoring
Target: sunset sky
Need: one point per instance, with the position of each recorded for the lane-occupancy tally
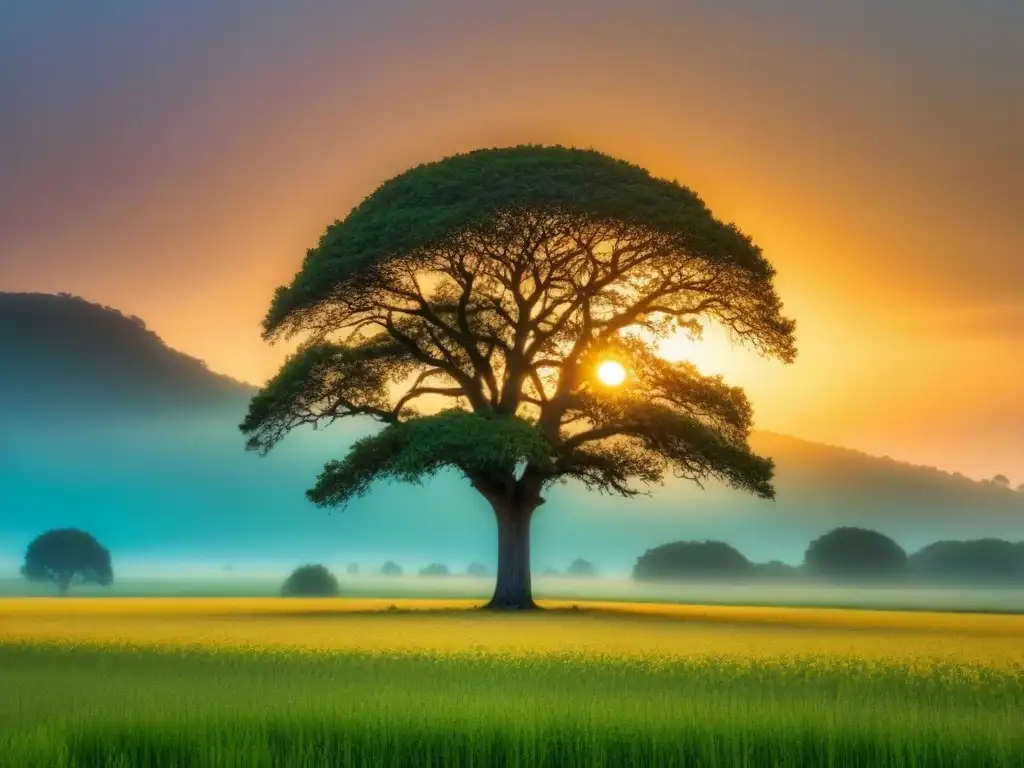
(176, 159)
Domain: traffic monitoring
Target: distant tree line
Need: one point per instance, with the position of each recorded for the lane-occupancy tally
(69, 556)
(843, 554)
(1003, 481)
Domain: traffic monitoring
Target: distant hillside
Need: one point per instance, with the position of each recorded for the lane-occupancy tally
(69, 356)
(833, 477)
(181, 484)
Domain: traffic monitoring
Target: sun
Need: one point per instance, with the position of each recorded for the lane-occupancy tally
(611, 373)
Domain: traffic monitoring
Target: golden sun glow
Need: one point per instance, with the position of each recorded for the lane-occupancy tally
(712, 354)
(611, 373)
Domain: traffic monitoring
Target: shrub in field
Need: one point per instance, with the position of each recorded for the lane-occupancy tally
(682, 559)
(855, 552)
(476, 569)
(66, 556)
(581, 567)
(310, 581)
(391, 568)
(435, 569)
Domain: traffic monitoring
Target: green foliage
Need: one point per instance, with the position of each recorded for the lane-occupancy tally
(494, 282)
(321, 379)
(695, 451)
(65, 556)
(310, 581)
(481, 446)
(391, 568)
(428, 206)
(855, 553)
(682, 559)
(666, 417)
(978, 560)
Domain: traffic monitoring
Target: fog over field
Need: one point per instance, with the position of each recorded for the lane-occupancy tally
(198, 580)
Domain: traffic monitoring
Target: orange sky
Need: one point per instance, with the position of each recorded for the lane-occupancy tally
(176, 164)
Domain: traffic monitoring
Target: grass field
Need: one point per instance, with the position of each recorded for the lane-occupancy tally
(262, 682)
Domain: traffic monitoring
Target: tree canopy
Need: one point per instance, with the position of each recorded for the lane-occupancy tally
(496, 280)
(978, 559)
(855, 552)
(66, 556)
(683, 559)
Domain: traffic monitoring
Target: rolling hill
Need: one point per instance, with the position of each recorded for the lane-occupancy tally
(102, 426)
(65, 356)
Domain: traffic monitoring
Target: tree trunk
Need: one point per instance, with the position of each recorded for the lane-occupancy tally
(512, 589)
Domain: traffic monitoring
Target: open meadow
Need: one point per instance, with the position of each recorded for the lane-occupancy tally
(267, 682)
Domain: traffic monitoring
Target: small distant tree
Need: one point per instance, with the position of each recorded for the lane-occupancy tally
(435, 569)
(66, 556)
(1021, 487)
(310, 581)
(581, 567)
(352, 569)
(687, 559)
(549, 571)
(391, 568)
(1001, 480)
(478, 570)
(855, 552)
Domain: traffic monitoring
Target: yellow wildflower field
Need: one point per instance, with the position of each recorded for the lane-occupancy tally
(607, 631)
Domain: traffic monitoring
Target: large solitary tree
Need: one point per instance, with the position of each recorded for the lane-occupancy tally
(467, 305)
